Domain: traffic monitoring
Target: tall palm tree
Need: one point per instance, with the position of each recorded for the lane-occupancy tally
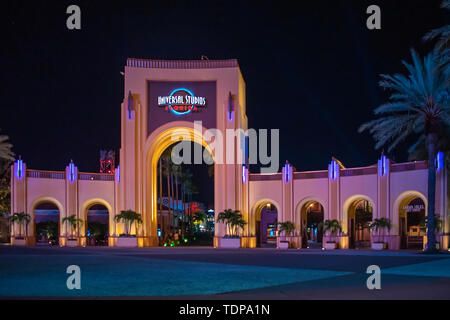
(419, 106)
(21, 219)
(442, 34)
(5, 148)
(128, 217)
(73, 222)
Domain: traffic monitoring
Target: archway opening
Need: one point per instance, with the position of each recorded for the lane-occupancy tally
(266, 218)
(185, 197)
(266, 225)
(312, 215)
(412, 227)
(360, 215)
(97, 225)
(46, 220)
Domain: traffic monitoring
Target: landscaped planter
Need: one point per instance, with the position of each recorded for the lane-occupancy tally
(378, 245)
(72, 243)
(127, 242)
(329, 245)
(284, 245)
(19, 242)
(230, 243)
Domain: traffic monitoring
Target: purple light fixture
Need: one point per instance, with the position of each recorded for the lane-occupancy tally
(20, 169)
(72, 174)
(287, 172)
(230, 112)
(130, 105)
(439, 160)
(118, 173)
(383, 166)
(333, 170)
(244, 174)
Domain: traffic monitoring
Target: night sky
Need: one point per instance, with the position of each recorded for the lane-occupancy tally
(311, 70)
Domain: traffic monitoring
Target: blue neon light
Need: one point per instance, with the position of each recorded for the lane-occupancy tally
(19, 172)
(185, 112)
(439, 160)
(287, 173)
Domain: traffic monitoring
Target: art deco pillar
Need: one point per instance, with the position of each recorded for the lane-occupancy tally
(382, 208)
(71, 206)
(334, 204)
(19, 202)
(441, 200)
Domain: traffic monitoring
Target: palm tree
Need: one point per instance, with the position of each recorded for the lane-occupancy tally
(380, 224)
(20, 218)
(419, 106)
(5, 148)
(333, 226)
(442, 34)
(128, 217)
(73, 222)
(233, 220)
(287, 226)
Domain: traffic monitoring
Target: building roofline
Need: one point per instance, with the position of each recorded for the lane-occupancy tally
(181, 64)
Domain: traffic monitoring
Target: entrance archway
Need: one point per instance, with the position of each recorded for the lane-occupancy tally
(265, 215)
(158, 142)
(97, 225)
(47, 223)
(359, 211)
(185, 198)
(312, 215)
(411, 221)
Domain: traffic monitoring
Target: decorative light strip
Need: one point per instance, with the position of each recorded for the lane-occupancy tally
(130, 105)
(333, 170)
(72, 176)
(383, 167)
(20, 172)
(287, 173)
(118, 173)
(230, 107)
(439, 160)
(244, 174)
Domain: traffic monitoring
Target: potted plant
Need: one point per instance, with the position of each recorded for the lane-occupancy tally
(380, 225)
(437, 229)
(288, 228)
(128, 217)
(331, 228)
(73, 223)
(22, 219)
(234, 222)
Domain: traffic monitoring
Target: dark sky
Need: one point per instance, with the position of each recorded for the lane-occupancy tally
(311, 69)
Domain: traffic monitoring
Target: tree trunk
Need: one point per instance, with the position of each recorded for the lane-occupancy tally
(169, 209)
(177, 200)
(161, 218)
(431, 238)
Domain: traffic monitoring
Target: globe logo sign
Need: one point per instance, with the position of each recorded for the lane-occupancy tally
(181, 101)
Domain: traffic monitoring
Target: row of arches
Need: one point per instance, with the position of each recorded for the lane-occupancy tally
(357, 216)
(46, 221)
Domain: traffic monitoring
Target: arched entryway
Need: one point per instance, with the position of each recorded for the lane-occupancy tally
(265, 216)
(411, 221)
(97, 225)
(47, 223)
(158, 142)
(312, 216)
(359, 210)
(185, 214)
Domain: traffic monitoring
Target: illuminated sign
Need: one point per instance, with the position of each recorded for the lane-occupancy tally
(181, 101)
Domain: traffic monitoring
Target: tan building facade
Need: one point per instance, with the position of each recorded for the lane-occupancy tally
(152, 120)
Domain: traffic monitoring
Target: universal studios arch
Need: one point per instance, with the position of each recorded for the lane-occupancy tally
(164, 102)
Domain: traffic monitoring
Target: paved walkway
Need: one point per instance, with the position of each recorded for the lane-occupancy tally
(207, 273)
